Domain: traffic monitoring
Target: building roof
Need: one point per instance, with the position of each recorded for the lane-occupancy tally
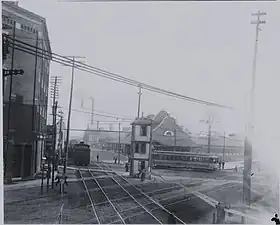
(167, 132)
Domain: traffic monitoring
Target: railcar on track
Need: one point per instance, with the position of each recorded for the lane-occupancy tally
(81, 154)
(187, 160)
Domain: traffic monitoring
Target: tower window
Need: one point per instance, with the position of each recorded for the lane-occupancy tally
(143, 130)
(137, 148)
(143, 148)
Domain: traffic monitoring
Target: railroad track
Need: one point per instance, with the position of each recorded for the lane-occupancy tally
(142, 198)
(145, 187)
(110, 198)
(105, 203)
(125, 203)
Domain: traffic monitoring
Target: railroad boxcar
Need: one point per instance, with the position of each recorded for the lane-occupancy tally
(81, 154)
(188, 160)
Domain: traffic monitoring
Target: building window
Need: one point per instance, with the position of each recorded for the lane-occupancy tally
(168, 133)
(143, 148)
(143, 131)
(140, 148)
(137, 148)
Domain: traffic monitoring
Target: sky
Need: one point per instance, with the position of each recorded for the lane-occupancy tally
(199, 49)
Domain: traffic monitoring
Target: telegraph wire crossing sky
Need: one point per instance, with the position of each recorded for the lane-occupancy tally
(202, 50)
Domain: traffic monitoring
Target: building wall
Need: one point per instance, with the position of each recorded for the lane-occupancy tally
(28, 25)
(20, 124)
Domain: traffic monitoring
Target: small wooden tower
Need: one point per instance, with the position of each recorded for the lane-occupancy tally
(141, 138)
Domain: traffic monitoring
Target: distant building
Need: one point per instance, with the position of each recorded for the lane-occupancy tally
(28, 26)
(110, 126)
(234, 147)
(126, 129)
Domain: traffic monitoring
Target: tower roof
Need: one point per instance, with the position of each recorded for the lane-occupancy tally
(142, 121)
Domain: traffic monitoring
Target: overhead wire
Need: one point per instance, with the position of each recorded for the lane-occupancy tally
(102, 73)
(96, 113)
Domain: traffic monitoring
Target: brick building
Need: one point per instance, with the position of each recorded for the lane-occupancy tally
(31, 29)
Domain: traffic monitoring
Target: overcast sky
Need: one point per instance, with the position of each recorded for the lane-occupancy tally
(200, 49)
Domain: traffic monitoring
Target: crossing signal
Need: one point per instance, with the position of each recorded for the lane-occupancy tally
(13, 72)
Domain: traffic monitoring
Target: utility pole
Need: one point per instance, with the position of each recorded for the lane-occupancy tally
(175, 139)
(139, 101)
(209, 122)
(250, 122)
(224, 147)
(69, 112)
(60, 133)
(39, 107)
(97, 125)
(9, 141)
(92, 111)
(54, 95)
(209, 134)
(278, 194)
(119, 152)
(34, 116)
(54, 141)
(150, 150)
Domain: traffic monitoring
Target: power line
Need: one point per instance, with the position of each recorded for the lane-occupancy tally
(97, 113)
(102, 73)
(102, 131)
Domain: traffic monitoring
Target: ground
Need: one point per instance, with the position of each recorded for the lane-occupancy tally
(25, 204)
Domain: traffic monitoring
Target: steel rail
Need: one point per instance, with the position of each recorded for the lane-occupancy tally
(60, 215)
(147, 196)
(123, 198)
(188, 193)
(131, 196)
(151, 192)
(179, 201)
(89, 196)
(175, 196)
(86, 170)
(102, 190)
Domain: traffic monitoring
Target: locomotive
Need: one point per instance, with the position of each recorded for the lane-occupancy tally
(81, 154)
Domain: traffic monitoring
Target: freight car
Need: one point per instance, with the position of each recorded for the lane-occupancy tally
(81, 154)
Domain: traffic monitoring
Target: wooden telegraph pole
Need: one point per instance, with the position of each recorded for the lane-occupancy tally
(54, 95)
(250, 123)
